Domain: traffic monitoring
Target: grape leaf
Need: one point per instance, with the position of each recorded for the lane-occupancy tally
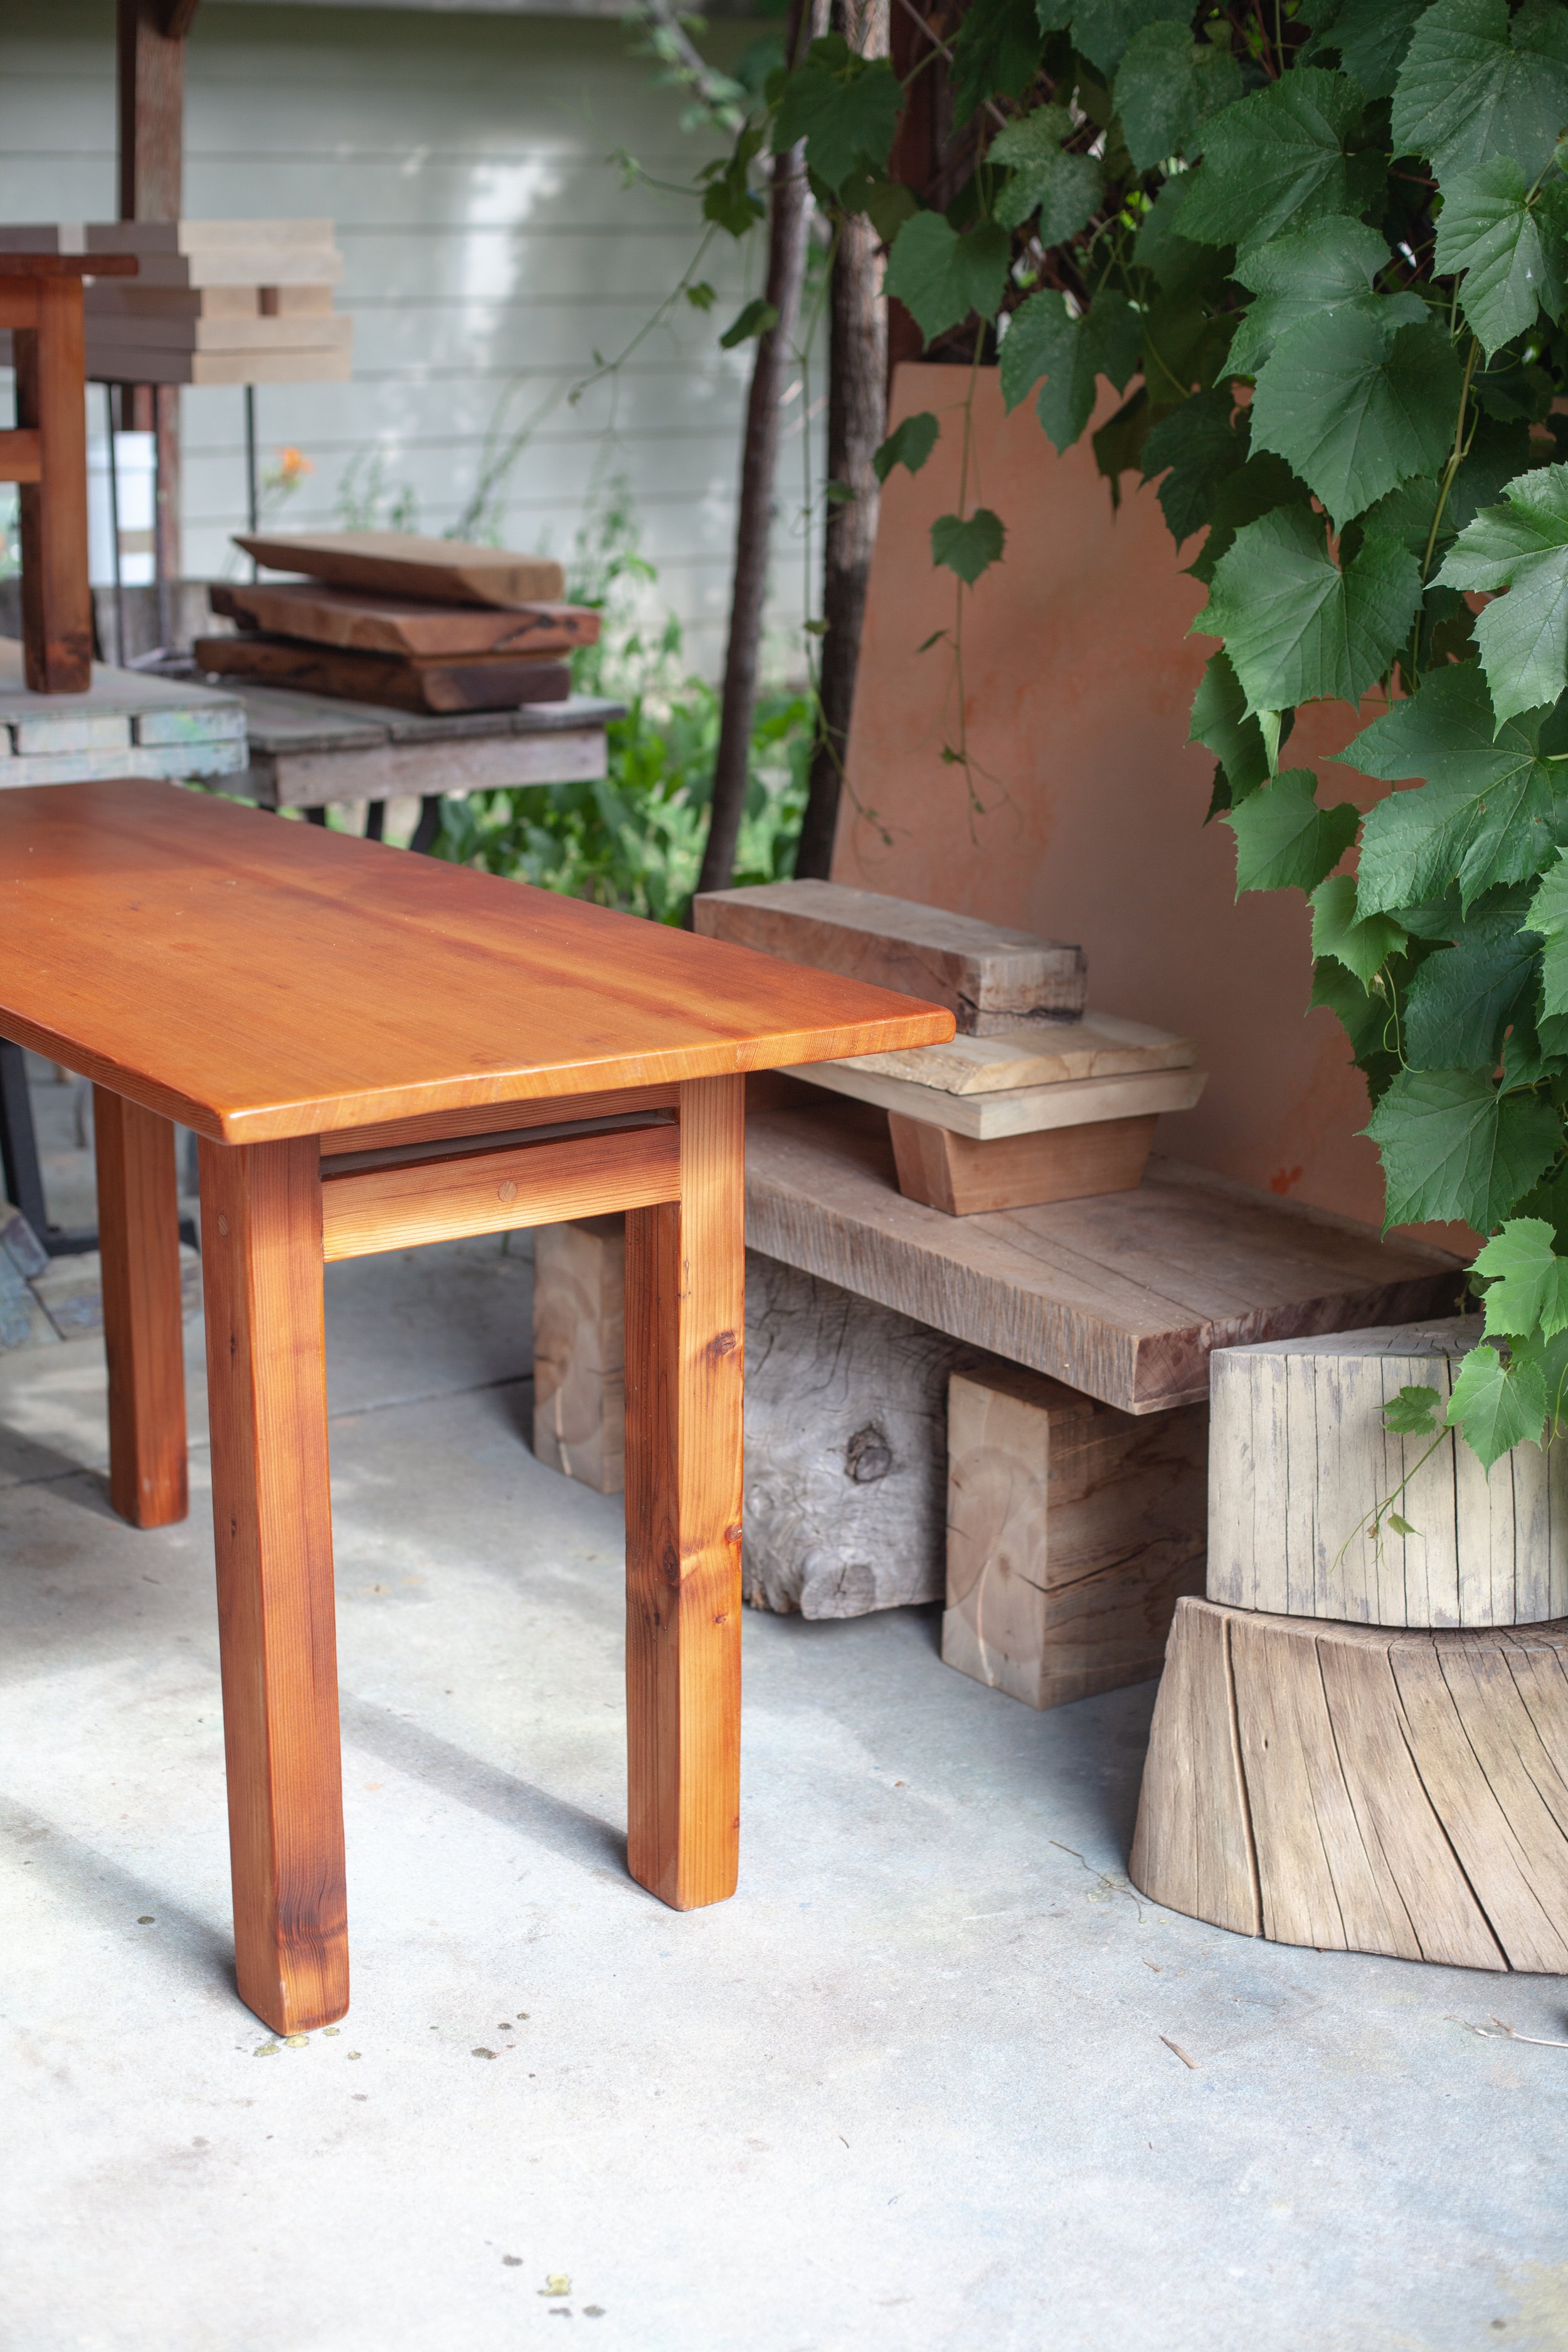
(1264, 483)
(1497, 1407)
(941, 277)
(1522, 546)
(1321, 268)
(1186, 271)
(1549, 916)
(1488, 229)
(1065, 190)
(1461, 1000)
(997, 51)
(1223, 725)
(1487, 812)
(1284, 841)
(968, 544)
(1281, 157)
(908, 443)
(1527, 1281)
(1453, 1147)
(1412, 1413)
(1362, 943)
(1102, 29)
(1196, 447)
(1356, 400)
(1297, 626)
(1044, 339)
(846, 108)
(1371, 37)
(1167, 87)
(758, 317)
(1477, 83)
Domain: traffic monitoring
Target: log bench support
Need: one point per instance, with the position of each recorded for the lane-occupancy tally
(273, 1213)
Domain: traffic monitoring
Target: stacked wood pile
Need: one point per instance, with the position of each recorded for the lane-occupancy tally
(1035, 1100)
(1396, 1783)
(423, 624)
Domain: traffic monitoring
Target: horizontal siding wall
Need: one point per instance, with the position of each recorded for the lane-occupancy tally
(490, 250)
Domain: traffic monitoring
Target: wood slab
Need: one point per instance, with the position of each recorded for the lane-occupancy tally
(965, 1179)
(400, 563)
(1100, 1046)
(1399, 1791)
(404, 625)
(116, 361)
(1022, 1110)
(406, 681)
(1124, 1296)
(250, 331)
(1301, 1462)
(258, 981)
(991, 979)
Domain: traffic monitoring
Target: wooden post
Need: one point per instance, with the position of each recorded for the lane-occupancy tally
(580, 1350)
(685, 1303)
(57, 604)
(261, 1258)
(152, 60)
(139, 1236)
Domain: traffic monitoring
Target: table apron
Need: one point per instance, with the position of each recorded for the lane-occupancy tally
(496, 1192)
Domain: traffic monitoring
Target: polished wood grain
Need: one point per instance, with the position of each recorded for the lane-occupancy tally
(57, 603)
(496, 1192)
(491, 1119)
(139, 1239)
(257, 980)
(261, 1264)
(685, 1354)
(966, 1177)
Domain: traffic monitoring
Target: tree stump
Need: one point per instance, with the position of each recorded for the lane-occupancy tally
(1402, 1791)
(1299, 1460)
(1072, 1530)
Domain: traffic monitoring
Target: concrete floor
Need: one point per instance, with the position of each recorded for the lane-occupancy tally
(914, 2087)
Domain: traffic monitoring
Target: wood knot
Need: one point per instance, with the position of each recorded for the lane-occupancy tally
(505, 1190)
(724, 1343)
(867, 1456)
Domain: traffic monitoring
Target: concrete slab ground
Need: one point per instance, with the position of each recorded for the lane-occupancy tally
(935, 2078)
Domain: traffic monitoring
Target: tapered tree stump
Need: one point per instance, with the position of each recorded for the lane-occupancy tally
(1362, 1789)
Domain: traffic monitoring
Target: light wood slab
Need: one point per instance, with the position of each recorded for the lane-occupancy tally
(1397, 1791)
(991, 978)
(257, 980)
(404, 625)
(399, 562)
(1101, 1045)
(116, 360)
(1022, 1110)
(1124, 1296)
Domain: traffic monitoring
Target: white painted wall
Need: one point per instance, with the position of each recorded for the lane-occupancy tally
(491, 249)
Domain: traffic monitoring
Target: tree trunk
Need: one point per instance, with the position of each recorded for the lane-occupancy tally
(857, 425)
(786, 269)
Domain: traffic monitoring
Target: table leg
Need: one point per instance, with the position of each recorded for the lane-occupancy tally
(57, 603)
(261, 1259)
(138, 1231)
(685, 1328)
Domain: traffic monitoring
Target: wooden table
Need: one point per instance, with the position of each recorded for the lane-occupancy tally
(378, 1050)
(307, 750)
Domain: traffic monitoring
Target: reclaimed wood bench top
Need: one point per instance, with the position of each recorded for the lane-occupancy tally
(1122, 1297)
(255, 978)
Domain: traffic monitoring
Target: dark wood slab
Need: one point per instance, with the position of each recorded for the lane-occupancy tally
(1122, 1297)
(434, 683)
(401, 625)
(400, 563)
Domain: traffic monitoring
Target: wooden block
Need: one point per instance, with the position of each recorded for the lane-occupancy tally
(1072, 1529)
(400, 563)
(402, 625)
(1023, 1110)
(989, 978)
(294, 301)
(153, 236)
(1300, 1461)
(249, 266)
(119, 360)
(403, 681)
(1100, 1046)
(255, 331)
(965, 1179)
(580, 1350)
(106, 299)
(1407, 1789)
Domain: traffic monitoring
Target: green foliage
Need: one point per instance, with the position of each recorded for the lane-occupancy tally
(1284, 841)
(942, 276)
(1522, 546)
(1285, 156)
(1413, 1412)
(758, 317)
(1300, 628)
(1168, 86)
(1476, 82)
(908, 443)
(1362, 943)
(1506, 239)
(1047, 339)
(1064, 190)
(968, 544)
(844, 107)
(1527, 1281)
(1499, 1405)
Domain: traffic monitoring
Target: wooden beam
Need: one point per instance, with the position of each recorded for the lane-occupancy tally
(151, 59)
(21, 457)
(441, 1199)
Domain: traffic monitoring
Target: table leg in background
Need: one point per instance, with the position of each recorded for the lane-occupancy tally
(685, 1328)
(261, 1262)
(138, 1235)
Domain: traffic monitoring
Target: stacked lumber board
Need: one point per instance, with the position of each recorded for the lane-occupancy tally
(126, 724)
(1036, 1100)
(421, 625)
(1360, 1741)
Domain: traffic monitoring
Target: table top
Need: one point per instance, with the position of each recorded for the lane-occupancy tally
(283, 720)
(1122, 1297)
(256, 978)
